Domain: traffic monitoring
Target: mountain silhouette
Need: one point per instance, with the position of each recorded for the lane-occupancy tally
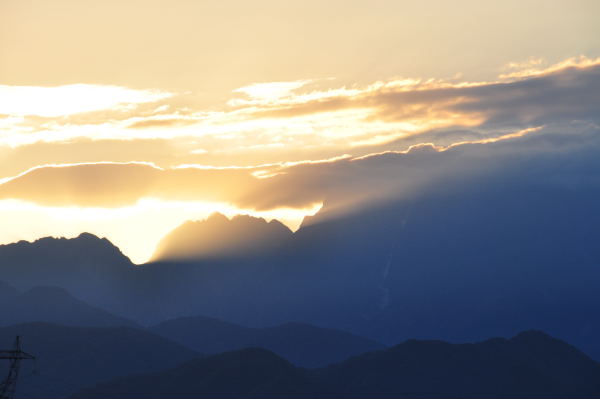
(53, 305)
(531, 365)
(92, 269)
(302, 344)
(219, 236)
(62, 262)
(70, 358)
(527, 366)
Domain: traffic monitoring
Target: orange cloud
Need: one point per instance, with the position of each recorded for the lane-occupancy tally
(534, 67)
(297, 120)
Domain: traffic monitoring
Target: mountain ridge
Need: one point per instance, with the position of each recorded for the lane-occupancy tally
(219, 236)
(494, 369)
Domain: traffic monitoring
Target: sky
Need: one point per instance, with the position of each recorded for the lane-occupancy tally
(127, 118)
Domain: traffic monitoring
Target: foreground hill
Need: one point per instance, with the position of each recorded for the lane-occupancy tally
(301, 344)
(70, 358)
(52, 305)
(528, 366)
(531, 365)
(249, 373)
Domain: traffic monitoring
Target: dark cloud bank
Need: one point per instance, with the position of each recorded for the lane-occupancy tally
(564, 103)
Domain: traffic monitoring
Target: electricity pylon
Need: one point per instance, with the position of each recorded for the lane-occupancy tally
(9, 385)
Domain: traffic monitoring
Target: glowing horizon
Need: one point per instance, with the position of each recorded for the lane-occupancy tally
(149, 221)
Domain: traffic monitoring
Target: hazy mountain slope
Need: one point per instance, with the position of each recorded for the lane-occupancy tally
(475, 256)
(218, 236)
(301, 344)
(458, 263)
(54, 305)
(460, 266)
(530, 366)
(70, 358)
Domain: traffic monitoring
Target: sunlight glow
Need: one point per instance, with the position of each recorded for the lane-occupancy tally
(269, 90)
(253, 141)
(70, 99)
(136, 230)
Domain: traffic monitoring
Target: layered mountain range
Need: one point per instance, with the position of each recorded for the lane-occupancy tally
(491, 256)
(420, 269)
(486, 254)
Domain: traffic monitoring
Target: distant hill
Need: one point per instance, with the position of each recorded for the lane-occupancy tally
(70, 358)
(221, 237)
(531, 365)
(52, 305)
(301, 344)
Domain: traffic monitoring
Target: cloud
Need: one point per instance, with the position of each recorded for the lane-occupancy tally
(109, 184)
(566, 91)
(118, 184)
(535, 66)
(258, 93)
(72, 99)
(315, 119)
(162, 122)
(350, 184)
(298, 159)
(301, 184)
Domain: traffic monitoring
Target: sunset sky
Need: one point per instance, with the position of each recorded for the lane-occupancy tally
(127, 118)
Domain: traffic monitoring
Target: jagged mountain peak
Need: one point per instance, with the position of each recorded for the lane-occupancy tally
(220, 236)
